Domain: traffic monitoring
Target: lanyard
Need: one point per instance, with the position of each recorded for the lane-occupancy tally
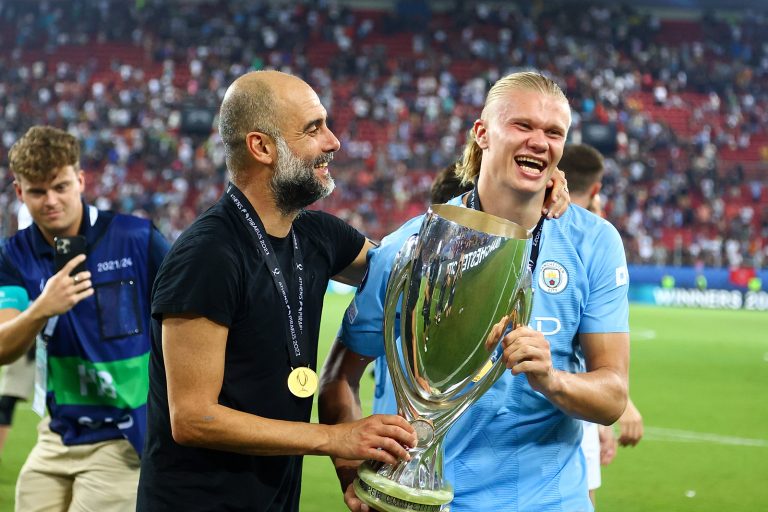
(41, 365)
(473, 201)
(250, 219)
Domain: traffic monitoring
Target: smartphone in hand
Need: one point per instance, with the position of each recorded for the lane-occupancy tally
(67, 247)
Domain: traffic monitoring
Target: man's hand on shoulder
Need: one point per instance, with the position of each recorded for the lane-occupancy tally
(559, 198)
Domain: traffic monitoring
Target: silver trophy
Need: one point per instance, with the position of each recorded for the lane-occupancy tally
(459, 286)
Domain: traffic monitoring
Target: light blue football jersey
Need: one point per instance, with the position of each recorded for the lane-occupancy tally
(513, 450)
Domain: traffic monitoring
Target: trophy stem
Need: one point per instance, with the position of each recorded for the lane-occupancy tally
(415, 485)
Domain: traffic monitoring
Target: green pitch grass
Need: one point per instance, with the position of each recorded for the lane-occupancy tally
(700, 379)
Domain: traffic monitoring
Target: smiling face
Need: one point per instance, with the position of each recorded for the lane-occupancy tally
(522, 136)
(297, 182)
(304, 147)
(275, 135)
(54, 204)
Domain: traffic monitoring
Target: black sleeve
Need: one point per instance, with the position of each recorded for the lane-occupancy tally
(342, 242)
(200, 276)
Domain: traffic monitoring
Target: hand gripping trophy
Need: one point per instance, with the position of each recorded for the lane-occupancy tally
(459, 286)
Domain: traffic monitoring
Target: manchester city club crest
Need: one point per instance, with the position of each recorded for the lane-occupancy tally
(553, 278)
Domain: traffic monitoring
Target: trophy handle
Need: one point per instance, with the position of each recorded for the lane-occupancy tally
(397, 281)
(520, 314)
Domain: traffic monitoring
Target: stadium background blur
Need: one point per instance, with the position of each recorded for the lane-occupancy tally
(673, 92)
(677, 98)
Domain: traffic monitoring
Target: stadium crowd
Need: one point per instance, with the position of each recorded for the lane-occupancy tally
(685, 104)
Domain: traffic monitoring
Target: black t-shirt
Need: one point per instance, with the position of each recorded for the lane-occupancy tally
(215, 270)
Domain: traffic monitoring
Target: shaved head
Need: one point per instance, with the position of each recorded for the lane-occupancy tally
(252, 104)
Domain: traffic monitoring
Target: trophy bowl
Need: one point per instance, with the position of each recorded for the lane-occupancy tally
(455, 289)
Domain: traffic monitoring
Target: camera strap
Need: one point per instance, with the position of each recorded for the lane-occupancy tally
(41, 365)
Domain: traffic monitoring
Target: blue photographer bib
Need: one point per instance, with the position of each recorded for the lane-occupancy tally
(97, 379)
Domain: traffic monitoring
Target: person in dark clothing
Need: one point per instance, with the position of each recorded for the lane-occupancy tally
(236, 316)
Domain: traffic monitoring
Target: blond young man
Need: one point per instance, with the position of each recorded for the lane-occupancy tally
(517, 447)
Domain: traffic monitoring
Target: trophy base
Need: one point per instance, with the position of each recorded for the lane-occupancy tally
(386, 495)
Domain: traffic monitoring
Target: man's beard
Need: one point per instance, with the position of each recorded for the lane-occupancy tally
(294, 184)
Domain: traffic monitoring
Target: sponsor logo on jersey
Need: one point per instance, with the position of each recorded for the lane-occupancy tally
(553, 277)
(547, 325)
(364, 280)
(352, 312)
(622, 276)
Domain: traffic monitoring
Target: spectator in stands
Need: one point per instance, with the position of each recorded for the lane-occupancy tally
(583, 166)
(114, 79)
(94, 339)
(515, 146)
(236, 314)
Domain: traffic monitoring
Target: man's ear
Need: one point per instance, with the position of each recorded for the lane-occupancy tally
(595, 189)
(81, 180)
(17, 188)
(261, 147)
(481, 133)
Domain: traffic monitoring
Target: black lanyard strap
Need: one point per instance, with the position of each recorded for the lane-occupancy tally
(295, 328)
(473, 201)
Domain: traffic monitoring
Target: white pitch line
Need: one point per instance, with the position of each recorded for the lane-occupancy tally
(687, 436)
(642, 334)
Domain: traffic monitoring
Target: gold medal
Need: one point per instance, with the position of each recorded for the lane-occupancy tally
(302, 382)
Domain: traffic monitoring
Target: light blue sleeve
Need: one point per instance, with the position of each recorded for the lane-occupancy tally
(607, 308)
(14, 297)
(362, 326)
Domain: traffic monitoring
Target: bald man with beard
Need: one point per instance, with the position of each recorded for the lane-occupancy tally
(236, 315)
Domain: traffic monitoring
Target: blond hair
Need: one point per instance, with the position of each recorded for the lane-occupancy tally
(41, 151)
(468, 167)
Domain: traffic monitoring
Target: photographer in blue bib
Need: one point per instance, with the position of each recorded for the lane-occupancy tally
(90, 322)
